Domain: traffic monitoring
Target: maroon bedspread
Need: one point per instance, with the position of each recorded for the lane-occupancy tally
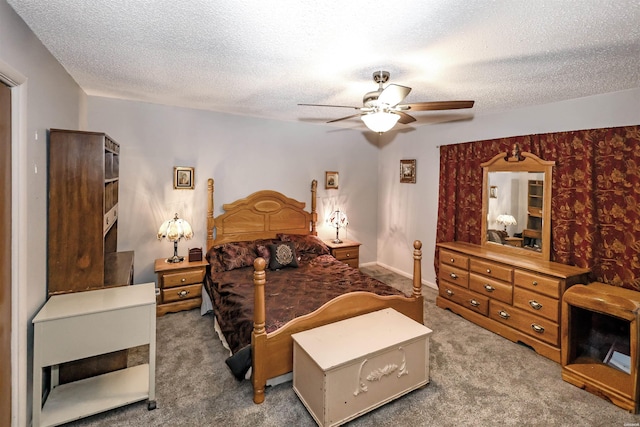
(289, 293)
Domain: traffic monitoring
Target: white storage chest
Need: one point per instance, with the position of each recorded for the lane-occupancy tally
(347, 368)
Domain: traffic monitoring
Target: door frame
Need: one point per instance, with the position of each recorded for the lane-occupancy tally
(17, 82)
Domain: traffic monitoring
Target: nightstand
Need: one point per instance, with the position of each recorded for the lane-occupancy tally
(180, 285)
(348, 251)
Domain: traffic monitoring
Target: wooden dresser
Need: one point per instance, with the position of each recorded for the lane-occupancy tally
(516, 297)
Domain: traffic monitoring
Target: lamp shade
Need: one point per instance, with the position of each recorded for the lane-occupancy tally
(174, 230)
(506, 219)
(380, 121)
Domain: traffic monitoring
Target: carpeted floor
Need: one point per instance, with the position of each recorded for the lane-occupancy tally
(477, 379)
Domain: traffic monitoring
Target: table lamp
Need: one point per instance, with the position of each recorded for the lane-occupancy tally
(505, 220)
(174, 230)
(338, 220)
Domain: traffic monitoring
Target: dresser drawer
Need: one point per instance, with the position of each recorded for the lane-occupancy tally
(465, 298)
(534, 282)
(490, 269)
(454, 275)
(344, 254)
(492, 288)
(181, 278)
(454, 258)
(535, 326)
(537, 304)
(182, 293)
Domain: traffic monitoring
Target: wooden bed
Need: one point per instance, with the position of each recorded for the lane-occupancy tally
(263, 215)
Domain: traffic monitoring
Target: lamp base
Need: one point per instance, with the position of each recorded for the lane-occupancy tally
(336, 241)
(175, 258)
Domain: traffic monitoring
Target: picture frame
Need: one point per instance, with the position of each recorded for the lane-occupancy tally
(408, 171)
(493, 192)
(331, 180)
(183, 178)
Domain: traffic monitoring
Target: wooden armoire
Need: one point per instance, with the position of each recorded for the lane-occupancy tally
(82, 227)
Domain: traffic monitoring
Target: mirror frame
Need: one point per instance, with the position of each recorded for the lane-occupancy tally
(519, 162)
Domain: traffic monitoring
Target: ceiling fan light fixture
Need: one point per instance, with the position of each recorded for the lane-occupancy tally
(380, 121)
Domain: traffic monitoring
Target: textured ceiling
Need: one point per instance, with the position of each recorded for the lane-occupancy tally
(261, 58)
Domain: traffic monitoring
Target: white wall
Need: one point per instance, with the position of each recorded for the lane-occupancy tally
(409, 211)
(243, 155)
(51, 99)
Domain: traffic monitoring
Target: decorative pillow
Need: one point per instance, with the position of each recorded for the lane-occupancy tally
(213, 257)
(237, 255)
(262, 249)
(283, 255)
(306, 244)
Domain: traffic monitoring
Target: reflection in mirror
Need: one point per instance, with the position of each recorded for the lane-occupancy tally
(515, 205)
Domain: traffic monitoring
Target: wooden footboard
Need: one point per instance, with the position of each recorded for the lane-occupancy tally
(272, 354)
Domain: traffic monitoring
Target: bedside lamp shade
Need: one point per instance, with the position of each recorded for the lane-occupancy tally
(174, 230)
(338, 219)
(505, 220)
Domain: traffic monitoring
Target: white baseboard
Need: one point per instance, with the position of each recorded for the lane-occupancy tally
(400, 272)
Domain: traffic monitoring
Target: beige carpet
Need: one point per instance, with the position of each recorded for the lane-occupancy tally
(477, 379)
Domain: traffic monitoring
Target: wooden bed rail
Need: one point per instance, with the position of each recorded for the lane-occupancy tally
(272, 354)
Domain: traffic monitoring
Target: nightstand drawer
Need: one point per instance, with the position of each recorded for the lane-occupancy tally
(182, 293)
(344, 254)
(182, 278)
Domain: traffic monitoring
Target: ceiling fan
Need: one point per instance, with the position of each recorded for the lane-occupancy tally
(382, 109)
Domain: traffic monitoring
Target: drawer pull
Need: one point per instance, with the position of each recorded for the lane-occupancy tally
(488, 270)
(503, 314)
(474, 303)
(534, 283)
(454, 276)
(183, 294)
(489, 288)
(449, 292)
(537, 328)
(183, 280)
(452, 260)
(535, 305)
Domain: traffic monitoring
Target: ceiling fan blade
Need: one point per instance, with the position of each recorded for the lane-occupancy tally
(405, 118)
(327, 105)
(438, 105)
(393, 94)
(344, 118)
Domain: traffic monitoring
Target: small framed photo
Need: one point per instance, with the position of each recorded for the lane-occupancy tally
(493, 192)
(183, 178)
(408, 171)
(331, 180)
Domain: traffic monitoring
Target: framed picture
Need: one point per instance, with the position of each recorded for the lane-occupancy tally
(331, 180)
(183, 178)
(408, 171)
(493, 192)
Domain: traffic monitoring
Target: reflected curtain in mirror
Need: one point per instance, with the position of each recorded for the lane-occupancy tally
(595, 213)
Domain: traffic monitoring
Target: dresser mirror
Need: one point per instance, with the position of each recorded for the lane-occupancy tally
(516, 204)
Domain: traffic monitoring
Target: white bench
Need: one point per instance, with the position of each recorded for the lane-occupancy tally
(347, 368)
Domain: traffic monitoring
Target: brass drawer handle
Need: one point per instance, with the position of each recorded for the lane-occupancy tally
(535, 305)
(503, 314)
(474, 303)
(453, 276)
(449, 292)
(452, 260)
(489, 288)
(183, 294)
(488, 270)
(348, 255)
(534, 283)
(183, 280)
(537, 328)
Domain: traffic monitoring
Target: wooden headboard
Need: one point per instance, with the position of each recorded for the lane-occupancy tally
(262, 215)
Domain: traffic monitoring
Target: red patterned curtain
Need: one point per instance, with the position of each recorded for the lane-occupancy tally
(595, 207)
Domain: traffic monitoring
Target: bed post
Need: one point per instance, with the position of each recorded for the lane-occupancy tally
(417, 268)
(259, 334)
(210, 220)
(314, 214)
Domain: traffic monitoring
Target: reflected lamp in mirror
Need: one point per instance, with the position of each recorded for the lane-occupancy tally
(338, 219)
(506, 220)
(380, 121)
(174, 230)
